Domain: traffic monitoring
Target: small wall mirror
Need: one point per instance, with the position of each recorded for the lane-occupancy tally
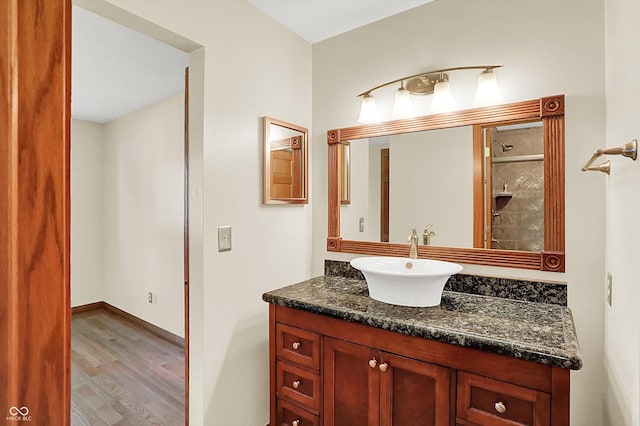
(344, 159)
(285, 163)
(482, 186)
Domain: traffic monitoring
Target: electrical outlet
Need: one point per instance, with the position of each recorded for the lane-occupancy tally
(150, 297)
(609, 285)
(361, 224)
(224, 238)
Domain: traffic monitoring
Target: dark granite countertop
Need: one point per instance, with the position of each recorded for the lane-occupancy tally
(538, 332)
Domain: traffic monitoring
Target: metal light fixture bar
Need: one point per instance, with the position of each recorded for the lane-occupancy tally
(424, 83)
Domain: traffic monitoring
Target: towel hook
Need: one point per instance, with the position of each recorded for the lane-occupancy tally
(627, 150)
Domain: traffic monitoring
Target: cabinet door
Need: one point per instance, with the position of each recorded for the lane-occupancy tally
(413, 392)
(351, 385)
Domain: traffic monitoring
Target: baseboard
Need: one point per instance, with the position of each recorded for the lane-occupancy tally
(154, 329)
(87, 307)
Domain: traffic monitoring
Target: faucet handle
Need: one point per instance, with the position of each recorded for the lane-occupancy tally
(428, 231)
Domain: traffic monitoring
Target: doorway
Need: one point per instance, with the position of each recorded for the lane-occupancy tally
(128, 265)
(35, 212)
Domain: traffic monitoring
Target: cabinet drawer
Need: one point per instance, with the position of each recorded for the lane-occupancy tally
(288, 414)
(298, 385)
(486, 401)
(298, 346)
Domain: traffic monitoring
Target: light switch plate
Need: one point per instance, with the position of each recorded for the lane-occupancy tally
(224, 238)
(361, 224)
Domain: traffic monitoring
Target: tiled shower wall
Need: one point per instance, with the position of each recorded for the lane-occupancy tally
(518, 222)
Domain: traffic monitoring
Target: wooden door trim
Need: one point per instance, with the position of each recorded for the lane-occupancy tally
(479, 182)
(35, 319)
(186, 246)
(384, 194)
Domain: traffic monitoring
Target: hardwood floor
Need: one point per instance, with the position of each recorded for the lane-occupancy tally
(123, 375)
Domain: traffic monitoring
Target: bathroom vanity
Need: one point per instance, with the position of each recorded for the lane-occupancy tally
(338, 357)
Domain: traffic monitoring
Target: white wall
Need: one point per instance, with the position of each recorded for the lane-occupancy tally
(622, 321)
(87, 141)
(359, 206)
(249, 67)
(375, 172)
(143, 213)
(547, 48)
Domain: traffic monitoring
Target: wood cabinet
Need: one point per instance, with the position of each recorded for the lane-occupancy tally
(326, 371)
(365, 386)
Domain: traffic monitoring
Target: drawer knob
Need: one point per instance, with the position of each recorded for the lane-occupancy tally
(500, 407)
(383, 367)
(296, 385)
(296, 345)
(295, 423)
(373, 363)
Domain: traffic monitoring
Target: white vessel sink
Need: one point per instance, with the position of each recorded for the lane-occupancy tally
(404, 281)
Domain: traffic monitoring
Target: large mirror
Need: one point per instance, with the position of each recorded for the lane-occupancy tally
(481, 186)
(284, 163)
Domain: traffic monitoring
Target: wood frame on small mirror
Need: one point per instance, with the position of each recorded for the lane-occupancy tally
(288, 184)
(344, 159)
(549, 110)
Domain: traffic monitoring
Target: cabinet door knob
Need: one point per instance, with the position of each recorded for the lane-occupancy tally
(500, 407)
(373, 363)
(296, 385)
(383, 367)
(296, 345)
(295, 423)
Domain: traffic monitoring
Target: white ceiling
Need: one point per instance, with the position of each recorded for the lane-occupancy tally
(116, 70)
(316, 20)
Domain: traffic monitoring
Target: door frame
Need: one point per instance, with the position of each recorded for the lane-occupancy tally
(35, 321)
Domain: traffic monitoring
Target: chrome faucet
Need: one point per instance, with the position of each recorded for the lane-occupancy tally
(427, 234)
(413, 239)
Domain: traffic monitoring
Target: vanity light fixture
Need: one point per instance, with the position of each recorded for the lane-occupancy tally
(442, 98)
(402, 107)
(368, 110)
(431, 82)
(488, 92)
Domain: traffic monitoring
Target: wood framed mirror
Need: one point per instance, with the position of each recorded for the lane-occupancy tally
(285, 164)
(482, 195)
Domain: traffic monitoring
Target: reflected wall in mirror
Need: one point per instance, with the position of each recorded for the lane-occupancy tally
(482, 186)
(284, 163)
(405, 180)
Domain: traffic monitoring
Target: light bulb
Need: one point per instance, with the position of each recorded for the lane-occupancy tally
(368, 110)
(402, 107)
(442, 99)
(488, 92)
